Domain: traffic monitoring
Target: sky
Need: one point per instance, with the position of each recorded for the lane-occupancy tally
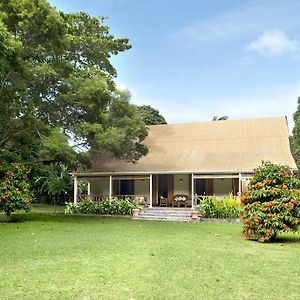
(195, 59)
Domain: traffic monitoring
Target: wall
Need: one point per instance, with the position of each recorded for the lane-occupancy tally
(222, 187)
(99, 186)
(182, 187)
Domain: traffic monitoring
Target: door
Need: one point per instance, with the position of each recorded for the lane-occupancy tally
(162, 186)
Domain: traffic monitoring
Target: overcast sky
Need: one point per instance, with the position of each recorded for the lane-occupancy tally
(196, 59)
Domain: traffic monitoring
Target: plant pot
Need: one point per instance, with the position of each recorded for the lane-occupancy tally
(135, 212)
(195, 214)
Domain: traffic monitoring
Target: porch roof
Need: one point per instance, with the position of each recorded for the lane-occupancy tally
(229, 146)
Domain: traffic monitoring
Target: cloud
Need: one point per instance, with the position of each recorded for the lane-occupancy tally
(208, 31)
(248, 18)
(274, 43)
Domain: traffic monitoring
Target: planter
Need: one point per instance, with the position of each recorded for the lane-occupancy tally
(135, 212)
(195, 214)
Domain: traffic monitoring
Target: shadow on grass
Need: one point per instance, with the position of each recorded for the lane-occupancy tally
(58, 217)
(288, 239)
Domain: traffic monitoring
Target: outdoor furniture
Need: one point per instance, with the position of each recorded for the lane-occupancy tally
(180, 200)
(163, 201)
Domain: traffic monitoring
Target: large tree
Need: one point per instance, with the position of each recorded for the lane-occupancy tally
(56, 86)
(151, 116)
(295, 138)
(60, 81)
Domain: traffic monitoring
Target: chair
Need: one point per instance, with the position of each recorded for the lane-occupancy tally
(179, 200)
(163, 201)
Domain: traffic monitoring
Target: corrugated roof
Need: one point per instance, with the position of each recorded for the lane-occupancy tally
(215, 146)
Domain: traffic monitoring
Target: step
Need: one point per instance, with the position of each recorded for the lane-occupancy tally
(166, 214)
(161, 218)
(169, 208)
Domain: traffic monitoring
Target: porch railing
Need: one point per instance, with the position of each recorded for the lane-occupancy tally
(141, 198)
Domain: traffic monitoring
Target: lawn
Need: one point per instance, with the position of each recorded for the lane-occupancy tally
(53, 256)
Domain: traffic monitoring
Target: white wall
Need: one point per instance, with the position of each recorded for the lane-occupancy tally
(99, 186)
(222, 187)
(181, 187)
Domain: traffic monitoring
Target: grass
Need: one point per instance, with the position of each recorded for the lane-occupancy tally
(48, 256)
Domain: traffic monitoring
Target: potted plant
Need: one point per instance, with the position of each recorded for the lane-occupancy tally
(135, 212)
(195, 213)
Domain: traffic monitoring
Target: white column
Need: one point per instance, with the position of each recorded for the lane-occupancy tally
(110, 187)
(75, 189)
(240, 183)
(192, 190)
(88, 188)
(150, 188)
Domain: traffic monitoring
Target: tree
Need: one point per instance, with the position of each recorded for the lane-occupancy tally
(295, 138)
(223, 118)
(14, 188)
(151, 116)
(54, 181)
(56, 86)
(272, 202)
(61, 77)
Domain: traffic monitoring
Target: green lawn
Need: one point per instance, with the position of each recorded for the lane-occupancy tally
(70, 257)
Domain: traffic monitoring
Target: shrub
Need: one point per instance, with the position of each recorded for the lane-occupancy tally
(227, 207)
(14, 188)
(271, 204)
(114, 206)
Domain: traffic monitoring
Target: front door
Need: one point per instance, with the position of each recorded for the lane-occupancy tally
(162, 186)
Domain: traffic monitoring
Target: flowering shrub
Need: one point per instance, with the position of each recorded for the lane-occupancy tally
(224, 207)
(272, 203)
(114, 206)
(14, 188)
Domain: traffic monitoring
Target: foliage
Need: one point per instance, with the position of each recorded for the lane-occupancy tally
(272, 202)
(53, 180)
(57, 85)
(114, 206)
(223, 118)
(151, 116)
(227, 207)
(14, 188)
(295, 138)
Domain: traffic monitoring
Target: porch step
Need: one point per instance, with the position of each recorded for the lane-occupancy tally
(166, 214)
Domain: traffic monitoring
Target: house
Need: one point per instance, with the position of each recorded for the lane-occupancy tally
(205, 158)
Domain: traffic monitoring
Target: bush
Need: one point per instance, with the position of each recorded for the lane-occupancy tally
(227, 207)
(271, 204)
(14, 188)
(114, 206)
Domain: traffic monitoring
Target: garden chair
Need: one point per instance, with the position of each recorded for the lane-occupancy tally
(163, 201)
(180, 200)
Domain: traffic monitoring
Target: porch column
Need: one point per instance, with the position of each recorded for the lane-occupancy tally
(110, 187)
(192, 190)
(240, 183)
(75, 190)
(150, 188)
(88, 188)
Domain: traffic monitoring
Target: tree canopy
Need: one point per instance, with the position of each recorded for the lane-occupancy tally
(56, 87)
(58, 82)
(223, 118)
(295, 138)
(151, 116)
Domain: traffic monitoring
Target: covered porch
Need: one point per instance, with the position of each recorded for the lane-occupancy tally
(160, 190)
